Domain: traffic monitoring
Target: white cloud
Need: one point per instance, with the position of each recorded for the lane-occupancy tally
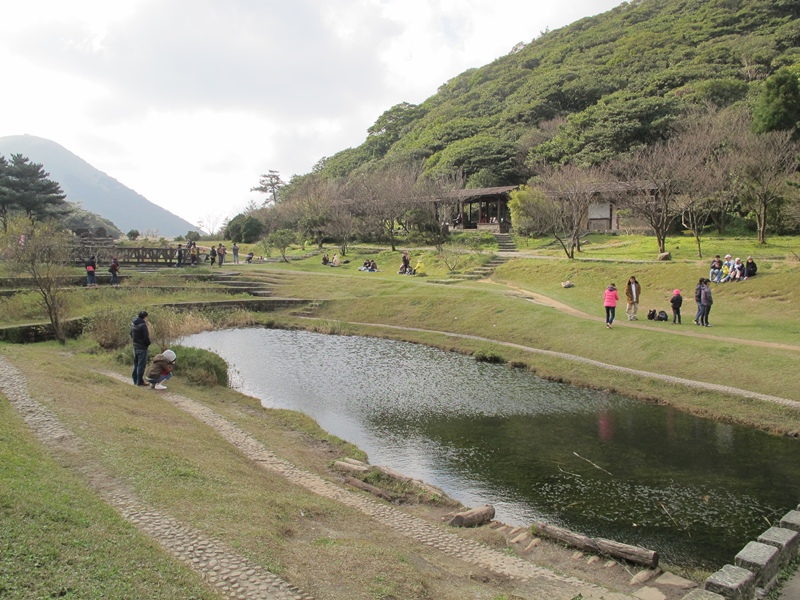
(188, 101)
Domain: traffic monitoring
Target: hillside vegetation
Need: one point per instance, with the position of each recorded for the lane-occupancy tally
(589, 91)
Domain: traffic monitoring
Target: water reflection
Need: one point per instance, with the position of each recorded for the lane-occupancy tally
(601, 464)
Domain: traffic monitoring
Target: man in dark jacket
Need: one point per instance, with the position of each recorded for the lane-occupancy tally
(140, 336)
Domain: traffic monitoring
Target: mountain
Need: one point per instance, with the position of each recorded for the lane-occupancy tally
(94, 190)
(589, 91)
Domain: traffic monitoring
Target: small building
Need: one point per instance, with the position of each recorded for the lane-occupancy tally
(485, 209)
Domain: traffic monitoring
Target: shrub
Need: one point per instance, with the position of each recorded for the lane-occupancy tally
(110, 328)
(489, 356)
(200, 367)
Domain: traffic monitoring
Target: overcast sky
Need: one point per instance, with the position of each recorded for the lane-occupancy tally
(188, 101)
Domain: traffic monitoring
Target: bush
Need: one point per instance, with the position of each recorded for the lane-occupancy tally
(200, 367)
(110, 328)
(489, 356)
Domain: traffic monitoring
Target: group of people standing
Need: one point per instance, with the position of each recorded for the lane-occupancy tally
(633, 290)
(215, 254)
(91, 271)
(633, 293)
(186, 256)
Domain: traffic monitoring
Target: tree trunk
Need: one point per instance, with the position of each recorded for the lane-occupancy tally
(633, 554)
(473, 518)
(375, 491)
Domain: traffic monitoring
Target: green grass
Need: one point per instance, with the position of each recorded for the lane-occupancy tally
(59, 540)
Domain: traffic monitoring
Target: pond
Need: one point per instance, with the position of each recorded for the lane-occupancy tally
(600, 464)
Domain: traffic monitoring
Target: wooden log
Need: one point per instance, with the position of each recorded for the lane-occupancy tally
(570, 538)
(375, 491)
(473, 518)
(347, 467)
(634, 554)
(425, 487)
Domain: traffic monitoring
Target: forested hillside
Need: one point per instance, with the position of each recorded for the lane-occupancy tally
(589, 91)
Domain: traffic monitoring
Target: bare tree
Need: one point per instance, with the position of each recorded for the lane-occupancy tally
(42, 251)
(652, 185)
(703, 173)
(766, 164)
(385, 195)
(210, 222)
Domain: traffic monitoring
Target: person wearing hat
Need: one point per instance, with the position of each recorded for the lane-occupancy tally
(727, 269)
(160, 369)
(140, 336)
(676, 301)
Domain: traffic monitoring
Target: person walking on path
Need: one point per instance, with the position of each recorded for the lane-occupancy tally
(610, 299)
(140, 336)
(235, 249)
(676, 301)
(114, 270)
(707, 301)
(212, 255)
(160, 369)
(633, 290)
(220, 255)
(193, 254)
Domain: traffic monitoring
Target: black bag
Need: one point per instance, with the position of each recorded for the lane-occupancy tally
(651, 314)
(662, 316)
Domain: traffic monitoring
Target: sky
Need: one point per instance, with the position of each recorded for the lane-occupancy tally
(188, 102)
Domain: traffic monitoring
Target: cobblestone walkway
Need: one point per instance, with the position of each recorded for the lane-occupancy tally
(232, 575)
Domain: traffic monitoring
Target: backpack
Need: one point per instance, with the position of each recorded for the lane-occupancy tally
(651, 314)
(662, 316)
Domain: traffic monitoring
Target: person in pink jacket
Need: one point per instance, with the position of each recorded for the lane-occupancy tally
(610, 299)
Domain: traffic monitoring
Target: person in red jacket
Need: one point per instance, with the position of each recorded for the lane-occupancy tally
(610, 299)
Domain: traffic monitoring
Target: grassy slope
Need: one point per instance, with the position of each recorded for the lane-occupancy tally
(179, 466)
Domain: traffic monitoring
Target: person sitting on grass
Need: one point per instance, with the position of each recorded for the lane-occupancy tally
(750, 268)
(160, 369)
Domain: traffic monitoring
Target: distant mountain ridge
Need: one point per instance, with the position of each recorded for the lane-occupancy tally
(94, 190)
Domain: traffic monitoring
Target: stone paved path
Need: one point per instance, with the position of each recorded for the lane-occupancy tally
(232, 575)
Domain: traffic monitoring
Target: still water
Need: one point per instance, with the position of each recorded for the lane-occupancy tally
(600, 464)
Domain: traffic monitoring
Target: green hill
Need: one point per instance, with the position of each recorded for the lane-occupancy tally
(588, 91)
(95, 191)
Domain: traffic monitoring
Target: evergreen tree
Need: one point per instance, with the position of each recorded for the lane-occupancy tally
(30, 190)
(778, 107)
